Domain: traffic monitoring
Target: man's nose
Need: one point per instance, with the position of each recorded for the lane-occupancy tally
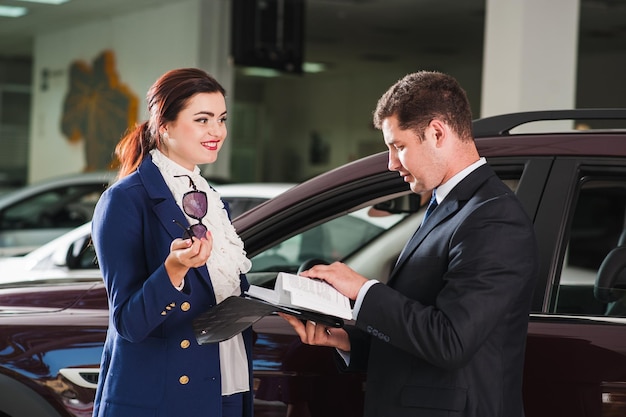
(393, 163)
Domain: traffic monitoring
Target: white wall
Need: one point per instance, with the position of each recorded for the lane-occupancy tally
(145, 44)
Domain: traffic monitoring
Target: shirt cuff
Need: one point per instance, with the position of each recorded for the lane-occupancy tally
(360, 296)
(345, 356)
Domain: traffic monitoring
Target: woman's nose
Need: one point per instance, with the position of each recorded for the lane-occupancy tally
(214, 128)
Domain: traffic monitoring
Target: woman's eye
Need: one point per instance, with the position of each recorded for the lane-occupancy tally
(223, 119)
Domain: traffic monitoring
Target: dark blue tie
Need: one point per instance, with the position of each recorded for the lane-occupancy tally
(432, 205)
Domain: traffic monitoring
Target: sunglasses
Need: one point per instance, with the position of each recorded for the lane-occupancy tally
(195, 206)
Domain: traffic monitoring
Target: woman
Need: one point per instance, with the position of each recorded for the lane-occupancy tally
(168, 252)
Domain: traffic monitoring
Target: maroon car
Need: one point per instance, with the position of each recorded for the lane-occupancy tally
(572, 184)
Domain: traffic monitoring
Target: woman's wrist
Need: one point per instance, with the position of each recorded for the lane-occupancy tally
(176, 272)
(180, 286)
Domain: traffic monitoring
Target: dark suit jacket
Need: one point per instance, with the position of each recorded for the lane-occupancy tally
(446, 336)
(151, 363)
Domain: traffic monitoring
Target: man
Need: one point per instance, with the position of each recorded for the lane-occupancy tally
(446, 335)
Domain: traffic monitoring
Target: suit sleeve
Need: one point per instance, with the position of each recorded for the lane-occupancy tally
(138, 296)
(359, 352)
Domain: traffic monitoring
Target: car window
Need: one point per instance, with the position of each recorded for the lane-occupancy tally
(59, 208)
(597, 228)
(238, 205)
(349, 235)
(330, 241)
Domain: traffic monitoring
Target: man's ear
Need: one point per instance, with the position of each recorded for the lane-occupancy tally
(438, 130)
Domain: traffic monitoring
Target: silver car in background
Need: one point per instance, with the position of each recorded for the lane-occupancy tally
(36, 214)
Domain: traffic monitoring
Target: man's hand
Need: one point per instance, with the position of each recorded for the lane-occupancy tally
(339, 275)
(315, 334)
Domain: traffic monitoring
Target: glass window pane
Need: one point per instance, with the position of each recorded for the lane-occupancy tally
(59, 208)
(597, 228)
(330, 241)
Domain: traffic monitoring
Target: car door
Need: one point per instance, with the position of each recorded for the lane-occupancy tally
(292, 376)
(576, 349)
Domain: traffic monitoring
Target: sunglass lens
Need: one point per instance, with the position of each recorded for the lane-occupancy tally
(195, 204)
(199, 230)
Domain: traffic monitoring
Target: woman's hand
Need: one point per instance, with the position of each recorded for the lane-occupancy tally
(312, 333)
(185, 254)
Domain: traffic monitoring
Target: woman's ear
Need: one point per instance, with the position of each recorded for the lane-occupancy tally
(163, 133)
(163, 129)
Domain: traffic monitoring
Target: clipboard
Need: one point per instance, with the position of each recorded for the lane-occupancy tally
(235, 314)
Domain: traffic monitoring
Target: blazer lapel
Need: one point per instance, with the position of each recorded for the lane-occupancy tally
(164, 206)
(453, 202)
(443, 211)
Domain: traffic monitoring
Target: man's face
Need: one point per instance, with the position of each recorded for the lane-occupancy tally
(419, 162)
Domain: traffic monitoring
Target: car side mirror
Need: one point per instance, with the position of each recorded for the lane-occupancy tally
(71, 260)
(76, 253)
(611, 279)
(408, 203)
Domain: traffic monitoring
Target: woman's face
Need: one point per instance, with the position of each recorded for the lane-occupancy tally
(198, 133)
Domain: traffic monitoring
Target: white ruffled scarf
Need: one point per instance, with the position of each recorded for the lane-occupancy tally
(228, 258)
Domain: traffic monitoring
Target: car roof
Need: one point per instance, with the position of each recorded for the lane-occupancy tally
(552, 133)
(253, 189)
(104, 177)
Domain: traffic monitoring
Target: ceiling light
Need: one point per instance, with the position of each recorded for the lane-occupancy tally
(307, 67)
(313, 67)
(55, 2)
(260, 72)
(12, 11)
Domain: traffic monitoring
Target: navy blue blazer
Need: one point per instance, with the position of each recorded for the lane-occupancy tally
(446, 335)
(151, 363)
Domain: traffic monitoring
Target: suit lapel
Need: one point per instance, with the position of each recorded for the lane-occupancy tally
(453, 202)
(444, 210)
(164, 207)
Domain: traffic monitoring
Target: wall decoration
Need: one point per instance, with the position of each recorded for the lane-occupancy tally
(99, 109)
